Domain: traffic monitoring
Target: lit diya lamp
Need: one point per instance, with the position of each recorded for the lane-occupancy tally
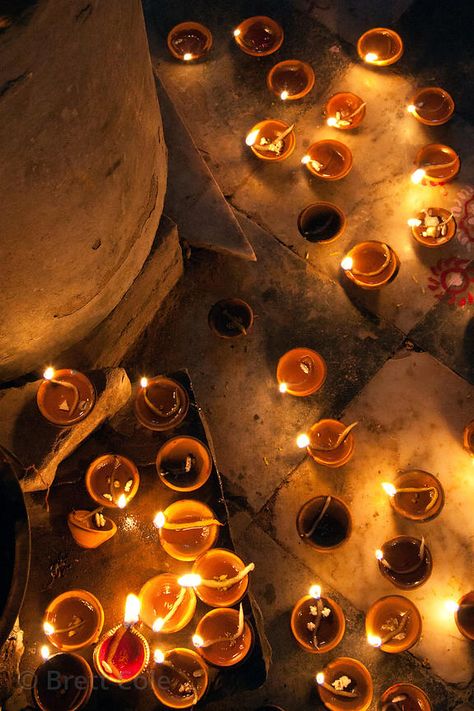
(468, 438)
(344, 110)
(184, 463)
(433, 227)
(321, 222)
(65, 396)
(324, 522)
(405, 561)
(271, 140)
(230, 318)
(393, 624)
(329, 442)
(301, 372)
(223, 637)
(345, 683)
(112, 480)
(436, 164)
(189, 41)
(179, 678)
(328, 159)
(161, 403)
(416, 495)
(370, 264)
(431, 106)
(219, 577)
(91, 528)
(166, 606)
(380, 47)
(404, 697)
(317, 623)
(187, 529)
(259, 36)
(291, 79)
(73, 620)
(464, 615)
(72, 682)
(123, 653)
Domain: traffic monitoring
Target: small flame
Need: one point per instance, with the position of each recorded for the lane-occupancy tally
(331, 121)
(158, 656)
(48, 373)
(122, 501)
(347, 264)
(414, 222)
(283, 387)
(158, 624)
(237, 32)
(374, 640)
(306, 159)
(252, 137)
(48, 628)
(159, 520)
(187, 56)
(198, 640)
(132, 610)
(389, 489)
(379, 554)
(418, 175)
(302, 440)
(452, 606)
(191, 580)
(143, 382)
(44, 651)
(284, 95)
(320, 678)
(371, 57)
(315, 591)
(411, 108)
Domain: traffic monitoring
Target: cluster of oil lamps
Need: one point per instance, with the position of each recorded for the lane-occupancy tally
(188, 531)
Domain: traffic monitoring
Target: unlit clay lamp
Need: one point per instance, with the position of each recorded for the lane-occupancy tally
(72, 687)
(230, 318)
(328, 159)
(431, 106)
(112, 480)
(405, 561)
(317, 623)
(90, 528)
(329, 442)
(464, 615)
(291, 79)
(184, 463)
(219, 577)
(468, 438)
(73, 620)
(271, 140)
(416, 495)
(189, 41)
(344, 111)
(301, 372)
(404, 697)
(259, 36)
(123, 653)
(393, 624)
(65, 396)
(179, 678)
(324, 522)
(437, 164)
(165, 605)
(187, 529)
(321, 222)
(345, 683)
(433, 227)
(370, 264)
(223, 637)
(380, 47)
(161, 403)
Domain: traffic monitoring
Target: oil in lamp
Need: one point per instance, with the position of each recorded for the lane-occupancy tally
(301, 372)
(317, 622)
(65, 396)
(380, 47)
(189, 41)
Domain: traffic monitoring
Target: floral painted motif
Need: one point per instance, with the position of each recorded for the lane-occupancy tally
(463, 211)
(452, 280)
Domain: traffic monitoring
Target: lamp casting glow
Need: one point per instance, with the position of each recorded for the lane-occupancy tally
(374, 640)
(198, 640)
(302, 441)
(452, 606)
(252, 137)
(411, 108)
(306, 159)
(48, 628)
(315, 591)
(414, 222)
(132, 610)
(122, 501)
(236, 32)
(159, 520)
(347, 263)
(48, 373)
(283, 387)
(187, 56)
(158, 656)
(158, 624)
(418, 175)
(331, 121)
(379, 554)
(389, 489)
(371, 57)
(143, 382)
(44, 651)
(191, 580)
(320, 678)
(284, 95)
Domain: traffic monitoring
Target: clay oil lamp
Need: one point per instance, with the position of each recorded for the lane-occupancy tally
(416, 495)
(271, 140)
(65, 396)
(328, 159)
(321, 222)
(184, 463)
(370, 264)
(123, 653)
(431, 106)
(329, 442)
(187, 529)
(405, 561)
(380, 47)
(291, 79)
(161, 403)
(189, 41)
(433, 227)
(404, 697)
(317, 623)
(219, 577)
(112, 480)
(179, 678)
(73, 682)
(468, 438)
(301, 372)
(345, 683)
(344, 111)
(464, 615)
(223, 637)
(166, 606)
(259, 36)
(91, 528)
(324, 522)
(73, 620)
(436, 164)
(393, 624)
(230, 318)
